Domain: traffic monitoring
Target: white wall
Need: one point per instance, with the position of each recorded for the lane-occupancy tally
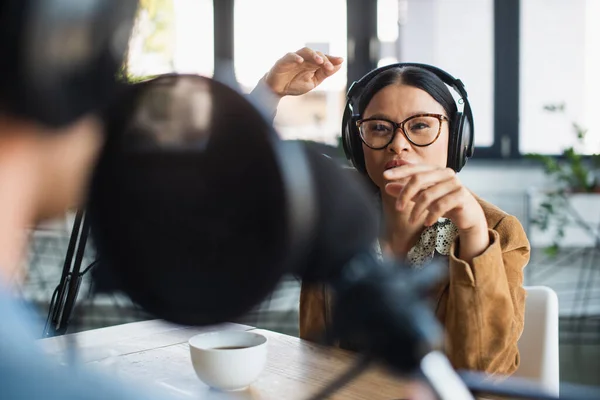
(560, 60)
(553, 53)
(506, 184)
(457, 36)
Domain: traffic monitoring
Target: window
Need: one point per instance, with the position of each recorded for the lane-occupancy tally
(560, 65)
(549, 66)
(194, 40)
(444, 34)
(172, 35)
(265, 30)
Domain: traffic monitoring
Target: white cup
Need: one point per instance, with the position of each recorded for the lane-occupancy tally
(228, 360)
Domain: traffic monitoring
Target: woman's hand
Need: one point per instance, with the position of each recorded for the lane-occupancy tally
(437, 192)
(298, 73)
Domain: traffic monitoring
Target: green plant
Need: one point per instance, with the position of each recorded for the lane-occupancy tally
(154, 26)
(161, 16)
(123, 75)
(571, 172)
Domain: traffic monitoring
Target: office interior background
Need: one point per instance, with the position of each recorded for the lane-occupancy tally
(532, 72)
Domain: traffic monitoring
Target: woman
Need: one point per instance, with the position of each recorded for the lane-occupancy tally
(427, 212)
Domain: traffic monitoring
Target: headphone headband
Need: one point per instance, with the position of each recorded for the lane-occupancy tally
(59, 58)
(448, 79)
(461, 143)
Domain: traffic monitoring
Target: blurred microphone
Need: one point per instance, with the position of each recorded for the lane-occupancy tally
(198, 209)
(347, 221)
(187, 203)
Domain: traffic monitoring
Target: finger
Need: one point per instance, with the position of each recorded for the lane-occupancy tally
(310, 55)
(393, 174)
(443, 206)
(326, 63)
(321, 74)
(288, 62)
(427, 197)
(292, 58)
(335, 60)
(395, 188)
(421, 181)
(336, 68)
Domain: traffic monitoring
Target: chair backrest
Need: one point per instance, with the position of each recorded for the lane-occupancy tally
(538, 345)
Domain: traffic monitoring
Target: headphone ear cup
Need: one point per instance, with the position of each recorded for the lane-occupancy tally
(353, 147)
(468, 132)
(351, 141)
(346, 143)
(456, 154)
(358, 155)
(465, 140)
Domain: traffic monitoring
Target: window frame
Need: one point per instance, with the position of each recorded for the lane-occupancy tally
(363, 54)
(506, 68)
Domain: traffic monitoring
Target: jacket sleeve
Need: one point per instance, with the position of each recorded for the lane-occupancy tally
(313, 309)
(484, 310)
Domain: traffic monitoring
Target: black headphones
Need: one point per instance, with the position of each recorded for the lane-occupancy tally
(461, 142)
(59, 59)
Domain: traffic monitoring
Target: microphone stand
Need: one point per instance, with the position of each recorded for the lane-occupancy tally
(382, 307)
(65, 295)
(448, 384)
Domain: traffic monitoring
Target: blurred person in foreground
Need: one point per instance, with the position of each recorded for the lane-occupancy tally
(45, 171)
(42, 174)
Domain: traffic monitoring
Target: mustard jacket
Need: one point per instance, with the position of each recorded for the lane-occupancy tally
(481, 306)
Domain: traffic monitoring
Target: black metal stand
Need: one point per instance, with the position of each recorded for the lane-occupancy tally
(65, 295)
(448, 384)
(380, 310)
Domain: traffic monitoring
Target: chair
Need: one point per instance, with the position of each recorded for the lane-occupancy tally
(538, 345)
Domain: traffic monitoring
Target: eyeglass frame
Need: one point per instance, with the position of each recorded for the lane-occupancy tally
(400, 126)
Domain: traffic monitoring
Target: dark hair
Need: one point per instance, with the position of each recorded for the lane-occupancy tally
(411, 76)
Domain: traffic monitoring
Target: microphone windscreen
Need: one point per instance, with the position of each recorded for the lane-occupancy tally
(347, 221)
(198, 209)
(187, 203)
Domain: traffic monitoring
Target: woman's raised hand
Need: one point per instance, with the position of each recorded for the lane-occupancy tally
(300, 72)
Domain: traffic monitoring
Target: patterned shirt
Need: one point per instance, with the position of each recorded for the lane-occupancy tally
(436, 238)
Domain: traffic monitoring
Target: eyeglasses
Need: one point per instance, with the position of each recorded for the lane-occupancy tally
(421, 130)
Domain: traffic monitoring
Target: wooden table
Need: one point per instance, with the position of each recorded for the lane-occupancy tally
(157, 353)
